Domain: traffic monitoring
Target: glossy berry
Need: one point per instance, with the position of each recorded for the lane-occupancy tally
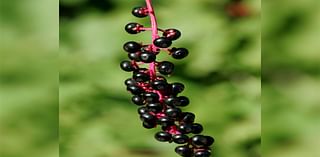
(149, 125)
(173, 112)
(139, 12)
(134, 56)
(184, 101)
(138, 100)
(187, 117)
(150, 97)
(202, 141)
(180, 138)
(162, 136)
(147, 57)
(132, 46)
(141, 76)
(159, 84)
(172, 101)
(127, 66)
(165, 67)
(179, 53)
(197, 128)
(172, 34)
(155, 107)
(135, 90)
(133, 28)
(147, 117)
(185, 128)
(165, 122)
(202, 153)
(143, 110)
(184, 151)
(130, 81)
(177, 87)
(162, 42)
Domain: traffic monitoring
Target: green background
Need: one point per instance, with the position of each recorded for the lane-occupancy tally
(222, 75)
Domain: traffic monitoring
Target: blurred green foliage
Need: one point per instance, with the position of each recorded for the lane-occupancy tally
(222, 77)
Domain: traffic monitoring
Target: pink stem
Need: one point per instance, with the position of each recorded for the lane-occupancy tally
(154, 28)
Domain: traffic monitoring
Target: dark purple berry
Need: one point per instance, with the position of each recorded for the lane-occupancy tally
(187, 117)
(202, 141)
(140, 76)
(159, 84)
(184, 151)
(155, 107)
(135, 90)
(197, 128)
(147, 57)
(180, 138)
(179, 53)
(165, 122)
(133, 28)
(162, 42)
(172, 34)
(149, 125)
(162, 136)
(127, 66)
(173, 112)
(132, 46)
(202, 153)
(185, 128)
(134, 56)
(143, 110)
(177, 87)
(139, 12)
(147, 117)
(165, 67)
(150, 97)
(184, 101)
(138, 100)
(130, 81)
(172, 101)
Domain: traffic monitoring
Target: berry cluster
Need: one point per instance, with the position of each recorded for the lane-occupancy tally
(158, 100)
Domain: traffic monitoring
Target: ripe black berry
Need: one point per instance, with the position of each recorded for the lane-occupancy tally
(150, 97)
(134, 89)
(202, 141)
(180, 138)
(155, 107)
(172, 34)
(149, 125)
(184, 151)
(162, 42)
(177, 88)
(140, 76)
(179, 53)
(165, 67)
(172, 101)
(202, 153)
(165, 122)
(130, 81)
(147, 117)
(185, 128)
(184, 101)
(133, 28)
(162, 136)
(139, 12)
(159, 84)
(197, 128)
(143, 110)
(132, 46)
(187, 117)
(173, 112)
(127, 66)
(137, 99)
(134, 56)
(147, 57)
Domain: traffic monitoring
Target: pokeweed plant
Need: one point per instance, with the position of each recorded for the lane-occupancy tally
(158, 100)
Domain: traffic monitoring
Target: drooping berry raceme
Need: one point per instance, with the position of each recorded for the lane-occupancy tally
(159, 100)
